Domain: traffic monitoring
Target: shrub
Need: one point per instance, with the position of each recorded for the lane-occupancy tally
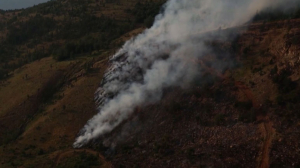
(244, 105)
(219, 119)
(149, 21)
(247, 116)
(285, 84)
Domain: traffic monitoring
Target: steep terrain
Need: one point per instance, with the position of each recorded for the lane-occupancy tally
(246, 116)
(45, 102)
(240, 119)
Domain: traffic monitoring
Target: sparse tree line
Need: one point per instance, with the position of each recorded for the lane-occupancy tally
(146, 12)
(35, 27)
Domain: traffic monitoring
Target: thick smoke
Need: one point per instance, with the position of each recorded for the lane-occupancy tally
(161, 57)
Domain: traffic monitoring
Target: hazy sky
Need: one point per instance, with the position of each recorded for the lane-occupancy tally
(18, 4)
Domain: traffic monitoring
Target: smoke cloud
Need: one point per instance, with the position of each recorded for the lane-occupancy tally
(161, 57)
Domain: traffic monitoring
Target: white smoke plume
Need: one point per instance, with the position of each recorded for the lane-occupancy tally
(161, 57)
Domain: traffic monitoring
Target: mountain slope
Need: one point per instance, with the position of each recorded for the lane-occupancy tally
(246, 116)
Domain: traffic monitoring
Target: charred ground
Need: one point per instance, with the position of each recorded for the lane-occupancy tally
(242, 116)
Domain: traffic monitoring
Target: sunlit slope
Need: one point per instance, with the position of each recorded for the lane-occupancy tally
(45, 104)
(55, 123)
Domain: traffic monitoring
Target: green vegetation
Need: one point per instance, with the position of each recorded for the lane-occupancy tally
(36, 27)
(145, 12)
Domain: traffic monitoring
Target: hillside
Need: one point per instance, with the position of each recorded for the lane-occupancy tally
(247, 117)
(42, 81)
(66, 29)
(53, 58)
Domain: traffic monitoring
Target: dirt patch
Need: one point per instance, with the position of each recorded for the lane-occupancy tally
(268, 133)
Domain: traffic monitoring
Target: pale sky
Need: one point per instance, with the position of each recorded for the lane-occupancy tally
(18, 4)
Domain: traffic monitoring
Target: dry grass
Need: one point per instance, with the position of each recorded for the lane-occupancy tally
(26, 81)
(56, 127)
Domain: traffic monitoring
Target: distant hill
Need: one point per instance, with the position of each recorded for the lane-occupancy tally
(19, 4)
(66, 29)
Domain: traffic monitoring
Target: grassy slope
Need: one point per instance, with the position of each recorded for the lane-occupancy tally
(48, 128)
(49, 133)
(41, 132)
(52, 129)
